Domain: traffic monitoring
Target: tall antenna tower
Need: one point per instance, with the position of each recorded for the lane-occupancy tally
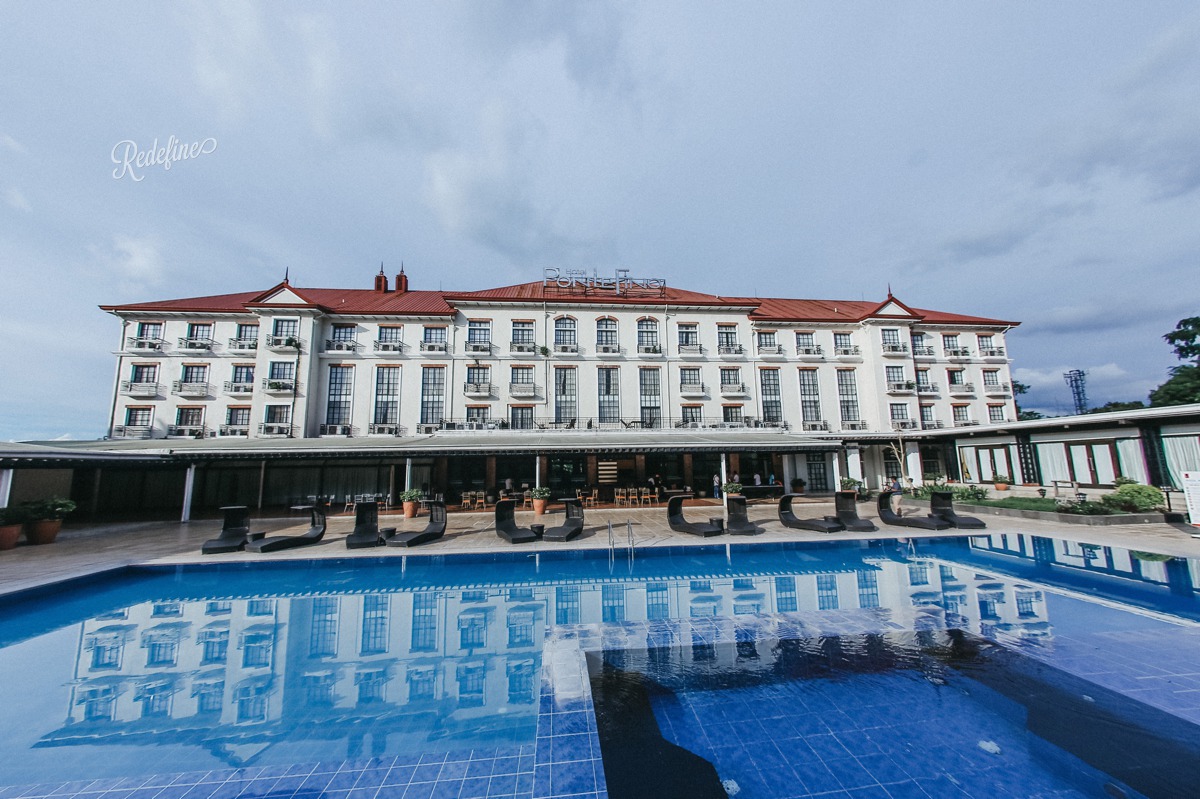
(1077, 380)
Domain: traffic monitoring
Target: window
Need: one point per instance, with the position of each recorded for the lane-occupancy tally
(956, 377)
(731, 413)
(478, 413)
(387, 395)
(281, 370)
(479, 375)
(991, 378)
(920, 344)
(650, 395)
(199, 331)
(566, 604)
(434, 335)
(422, 682)
(647, 335)
(785, 595)
(731, 377)
(138, 417)
(144, 373)
(522, 375)
(658, 603)
(343, 332)
(806, 344)
(391, 334)
(374, 624)
(689, 376)
(689, 335)
(151, 330)
(520, 629)
(996, 413)
(243, 374)
(891, 339)
(371, 685)
(424, 622)
(189, 417)
(608, 394)
(691, 414)
(985, 341)
(843, 343)
(895, 376)
(810, 396)
(868, 588)
(479, 331)
(286, 328)
(606, 334)
(522, 332)
(471, 680)
(565, 394)
(210, 697)
(612, 603)
(847, 395)
(923, 378)
(772, 398)
(827, 592)
(341, 389)
(520, 684)
(898, 411)
(564, 332)
(727, 339)
(950, 341)
(767, 342)
(962, 413)
(472, 630)
(323, 627)
(433, 394)
(214, 646)
(918, 574)
(927, 414)
(520, 417)
(194, 373)
(106, 653)
(277, 414)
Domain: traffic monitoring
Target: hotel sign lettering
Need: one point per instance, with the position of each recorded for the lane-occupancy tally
(577, 280)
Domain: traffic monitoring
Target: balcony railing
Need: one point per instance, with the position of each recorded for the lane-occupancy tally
(386, 429)
(847, 352)
(131, 431)
(275, 429)
(958, 352)
(854, 424)
(279, 385)
(438, 347)
(479, 389)
(284, 343)
(693, 389)
(341, 345)
(522, 389)
(734, 390)
(140, 389)
(932, 424)
(240, 387)
(814, 351)
(992, 352)
(478, 347)
(691, 350)
(770, 349)
(730, 349)
(186, 431)
(927, 388)
(566, 348)
(904, 424)
(923, 351)
(818, 425)
(336, 430)
(595, 423)
(522, 346)
(196, 344)
(962, 388)
(649, 349)
(145, 344)
(895, 348)
(966, 422)
(996, 388)
(388, 347)
(189, 389)
(243, 343)
(234, 430)
(608, 349)
(901, 387)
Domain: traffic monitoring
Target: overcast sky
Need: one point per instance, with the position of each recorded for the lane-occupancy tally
(1029, 161)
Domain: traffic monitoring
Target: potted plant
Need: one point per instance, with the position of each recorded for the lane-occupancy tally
(1001, 481)
(850, 484)
(798, 485)
(45, 519)
(12, 521)
(545, 351)
(410, 499)
(539, 496)
(733, 489)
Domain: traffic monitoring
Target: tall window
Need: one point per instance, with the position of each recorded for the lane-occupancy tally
(843, 343)
(923, 377)
(341, 389)
(956, 377)
(647, 335)
(200, 331)
(606, 333)
(920, 344)
(566, 606)
(323, 629)
(144, 373)
(847, 395)
(689, 376)
(785, 594)
(434, 335)
(479, 331)
(927, 414)
(727, 339)
(612, 603)
(689, 335)
(650, 393)
(962, 413)
(243, 374)
(767, 342)
(281, 370)
(827, 592)
(286, 328)
(277, 414)
(868, 588)
(150, 330)
(564, 332)
(950, 341)
(690, 414)
(731, 377)
(391, 334)
(433, 394)
(343, 332)
(898, 411)
(387, 395)
(238, 416)
(608, 393)
(810, 396)
(772, 398)
(806, 342)
(189, 417)
(658, 603)
(522, 332)
(986, 341)
(247, 332)
(478, 413)
(565, 394)
(991, 378)
(891, 339)
(731, 413)
(424, 622)
(996, 413)
(194, 374)
(895, 376)
(520, 417)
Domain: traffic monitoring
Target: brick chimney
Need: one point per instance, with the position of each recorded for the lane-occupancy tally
(381, 281)
(401, 281)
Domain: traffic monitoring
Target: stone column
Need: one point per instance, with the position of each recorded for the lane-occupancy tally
(189, 483)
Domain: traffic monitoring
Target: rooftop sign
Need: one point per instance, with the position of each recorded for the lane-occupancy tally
(578, 281)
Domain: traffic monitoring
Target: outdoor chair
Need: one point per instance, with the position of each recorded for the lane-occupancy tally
(679, 524)
(788, 519)
(366, 531)
(527, 499)
(845, 504)
(593, 499)
(315, 533)
(739, 523)
(941, 504)
(888, 516)
(506, 525)
(235, 532)
(433, 531)
(619, 496)
(573, 526)
(349, 503)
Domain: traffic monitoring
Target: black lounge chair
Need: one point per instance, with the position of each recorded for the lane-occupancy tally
(680, 525)
(941, 504)
(314, 534)
(888, 516)
(366, 531)
(845, 505)
(829, 524)
(506, 525)
(574, 525)
(235, 532)
(739, 523)
(433, 531)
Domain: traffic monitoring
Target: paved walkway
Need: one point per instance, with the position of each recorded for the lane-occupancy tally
(86, 549)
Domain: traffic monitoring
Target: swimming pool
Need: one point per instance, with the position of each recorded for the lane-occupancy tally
(963, 666)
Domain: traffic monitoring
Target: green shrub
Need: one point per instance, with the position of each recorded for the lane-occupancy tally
(539, 493)
(1134, 498)
(53, 508)
(14, 514)
(411, 495)
(1084, 508)
(850, 484)
(732, 488)
(1122, 480)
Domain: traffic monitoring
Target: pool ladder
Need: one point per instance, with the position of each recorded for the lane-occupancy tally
(612, 544)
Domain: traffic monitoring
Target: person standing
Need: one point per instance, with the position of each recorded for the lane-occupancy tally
(716, 486)
(897, 495)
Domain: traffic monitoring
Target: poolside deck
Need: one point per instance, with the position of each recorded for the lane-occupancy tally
(84, 549)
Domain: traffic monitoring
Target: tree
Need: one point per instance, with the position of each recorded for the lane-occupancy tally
(1185, 338)
(1019, 389)
(1132, 405)
(1182, 389)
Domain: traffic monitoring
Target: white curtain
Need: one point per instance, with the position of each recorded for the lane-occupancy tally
(1133, 464)
(1183, 455)
(1053, 459)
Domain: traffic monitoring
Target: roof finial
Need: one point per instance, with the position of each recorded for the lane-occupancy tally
(889, 290)
(285, 273)
(402, 267)
(381, 267)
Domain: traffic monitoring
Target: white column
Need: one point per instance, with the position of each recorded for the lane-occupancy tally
(188, 484)
(912, 461)
(408, 474)
(787, 471)
(537, 471)
(6, 478)
(854, 462)
(836, 469)
(724, 480)
(262, 482)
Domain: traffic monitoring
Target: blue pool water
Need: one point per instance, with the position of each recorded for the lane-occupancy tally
(1001, 665)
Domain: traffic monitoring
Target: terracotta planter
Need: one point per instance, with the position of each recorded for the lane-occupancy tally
(1001, 486)
(9, 534)
(410, 510)
(539, 506)
(43, 531)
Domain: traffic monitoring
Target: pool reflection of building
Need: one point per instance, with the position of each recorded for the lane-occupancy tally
(238, 675)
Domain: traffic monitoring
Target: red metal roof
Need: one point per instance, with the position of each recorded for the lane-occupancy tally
(537, 292)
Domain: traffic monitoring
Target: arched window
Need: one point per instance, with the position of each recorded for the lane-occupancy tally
(648, 335)
(564, 332)
(606, 334)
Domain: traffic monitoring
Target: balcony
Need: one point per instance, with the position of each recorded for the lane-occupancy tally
(239, 387)
(526, 347)
(692, 389)
(243, 344)
(522, 390)
(131, 431)
(816, 426)
(962, 388)
(927, 388)
(336, 430)
(196, 344)
(649, 350)
(730, 349)
(234, 430)
(479, 389)
(279, 385)
(814, 353)
(895, 348)
(189, 389)
(1001, 420)
(734, 390)
(691, 350)
(957, 353)
(388, 347)
(284, 343)
(997, 389)
(854, 424)
(901, 387)
(341, 345)
(993, 352)
(386, 429)
(433, 347)
(478, 348)
(608, 349)
(142, 344)
(566, 349)
(770, 350)
(904, 424)
(966, 422)
(923, 352)
(186, 431)
(275, 429)
(848, 352)
(932, 424)
(140, 389)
